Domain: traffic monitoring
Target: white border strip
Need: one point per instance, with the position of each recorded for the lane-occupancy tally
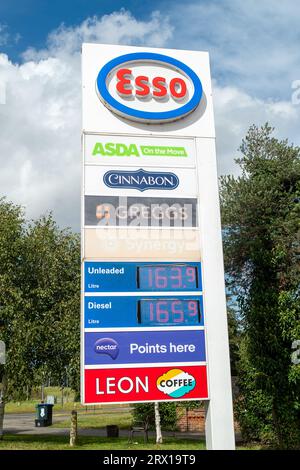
(174, 400)
(143, 365)
(143, 294)
(143, 328)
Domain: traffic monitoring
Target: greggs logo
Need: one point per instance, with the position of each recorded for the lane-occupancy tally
(149, 87)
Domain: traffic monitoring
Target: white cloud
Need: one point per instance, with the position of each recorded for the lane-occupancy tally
(236, 110)
(117, 28)
(4, 35)
(41, 120)
(253, 45)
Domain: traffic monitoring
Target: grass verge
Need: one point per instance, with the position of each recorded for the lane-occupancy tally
(100, 420)
(39, 442)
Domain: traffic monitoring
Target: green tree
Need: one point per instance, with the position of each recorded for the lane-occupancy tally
(11, 235)
(260, 213)
(234, 334)
(40, 300)
(47, 345)
(145, 412)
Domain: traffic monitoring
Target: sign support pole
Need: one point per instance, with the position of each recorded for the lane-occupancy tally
(219, 428)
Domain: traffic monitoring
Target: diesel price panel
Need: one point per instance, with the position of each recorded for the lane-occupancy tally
(138, 311)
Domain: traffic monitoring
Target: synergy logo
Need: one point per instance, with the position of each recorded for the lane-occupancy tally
(176, 383)
(149, 87)
(107, 346)
(141, 180)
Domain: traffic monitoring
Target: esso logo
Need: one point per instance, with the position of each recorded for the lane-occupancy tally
(148, 87)
(141, 86)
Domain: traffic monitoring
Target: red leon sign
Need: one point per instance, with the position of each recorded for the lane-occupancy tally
(145, 384)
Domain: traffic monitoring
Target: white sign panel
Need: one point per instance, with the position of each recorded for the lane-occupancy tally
(154, 323)
(135, 181)
(97, 113)
(144, 151)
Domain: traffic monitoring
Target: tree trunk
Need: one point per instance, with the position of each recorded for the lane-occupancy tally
(73, 430)
(157, 424)
(2, 406)
(277, 428)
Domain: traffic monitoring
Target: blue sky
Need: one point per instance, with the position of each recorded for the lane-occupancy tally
(254, 51)
(253, 44)
(34, 19)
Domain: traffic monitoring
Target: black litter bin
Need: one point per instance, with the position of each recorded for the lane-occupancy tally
(43, 415)
(112, 430)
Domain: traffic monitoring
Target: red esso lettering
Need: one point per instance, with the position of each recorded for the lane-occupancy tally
(178, 88)
(124, 82)
(141, 86)
(159, 87)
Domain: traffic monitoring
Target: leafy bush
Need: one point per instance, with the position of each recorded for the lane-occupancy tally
(144, 412)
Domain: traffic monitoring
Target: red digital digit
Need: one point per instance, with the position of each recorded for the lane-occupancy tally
(124, 82)
(178, 88)
(176, 276)
(161, 281)
(178, 313)
(191, 275)
(193, 308)
(149, 277)
(151, 310)
(162, 316)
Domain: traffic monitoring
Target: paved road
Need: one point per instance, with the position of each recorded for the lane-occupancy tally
(23, 423)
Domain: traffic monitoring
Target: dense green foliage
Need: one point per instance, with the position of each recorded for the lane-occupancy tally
(169, 413)
(40, 301)
(260, 213)
(144, 413)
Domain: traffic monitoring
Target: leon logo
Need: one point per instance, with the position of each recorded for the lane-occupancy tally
(176, 383)
(141, 180)
(107, 346)
(149, 87)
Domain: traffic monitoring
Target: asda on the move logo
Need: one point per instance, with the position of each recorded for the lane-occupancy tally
(140, 180)
(176, 383)
(149, 87)
(112, 149)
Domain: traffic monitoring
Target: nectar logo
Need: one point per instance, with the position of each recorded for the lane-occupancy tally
(107, 346)
(176, 383)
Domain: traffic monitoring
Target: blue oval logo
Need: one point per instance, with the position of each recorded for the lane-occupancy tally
(107, 346)
(141, 180)
(159, 85)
